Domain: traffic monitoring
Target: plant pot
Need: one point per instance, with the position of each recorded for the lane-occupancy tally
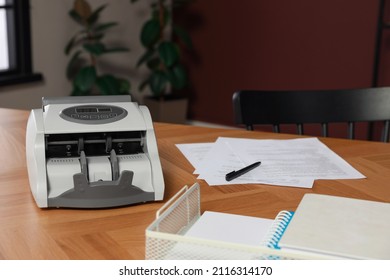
(173, 110)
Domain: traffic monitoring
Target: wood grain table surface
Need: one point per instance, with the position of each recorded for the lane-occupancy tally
(28, 232)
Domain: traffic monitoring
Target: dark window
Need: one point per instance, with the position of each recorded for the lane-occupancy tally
(15, 43)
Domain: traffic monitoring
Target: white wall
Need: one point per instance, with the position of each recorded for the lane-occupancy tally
(51, 29)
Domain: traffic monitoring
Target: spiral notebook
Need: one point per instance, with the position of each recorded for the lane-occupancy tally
(335, 226)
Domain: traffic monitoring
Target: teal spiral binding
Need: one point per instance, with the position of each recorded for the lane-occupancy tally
(277, 229)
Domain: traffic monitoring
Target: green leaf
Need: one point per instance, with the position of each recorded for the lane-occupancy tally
(76, 17)
(146, 56)
(70, 44)
(79, 37)
(104, 26)
(124, 86)
(118, 49)
(178, 77)
(70, 69)
(183, 36)
(77, 92)
(150, 33)
(93, 18)
(98, 49)
(154, 63)
(95, 48)
(158, 81)
(85, 78)
(108, 85)
(169, 53)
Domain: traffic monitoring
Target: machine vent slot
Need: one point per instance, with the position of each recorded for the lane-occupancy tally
(132, 157)
(62, 160)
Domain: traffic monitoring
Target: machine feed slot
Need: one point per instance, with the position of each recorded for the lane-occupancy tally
(94, 144)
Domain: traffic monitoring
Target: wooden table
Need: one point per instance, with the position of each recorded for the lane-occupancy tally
(28, 232)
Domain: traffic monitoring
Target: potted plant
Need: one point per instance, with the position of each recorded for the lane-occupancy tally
(163, 42)
(86, 47)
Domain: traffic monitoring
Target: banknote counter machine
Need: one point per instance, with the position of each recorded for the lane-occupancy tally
(92, 152)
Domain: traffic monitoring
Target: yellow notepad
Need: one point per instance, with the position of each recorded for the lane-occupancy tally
(339, 226)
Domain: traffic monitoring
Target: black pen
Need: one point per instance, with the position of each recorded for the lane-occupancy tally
(234, 174)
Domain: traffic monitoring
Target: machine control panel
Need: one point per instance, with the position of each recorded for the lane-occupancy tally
(93, 114)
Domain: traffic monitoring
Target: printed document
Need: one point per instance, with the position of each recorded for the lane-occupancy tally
(293, 162)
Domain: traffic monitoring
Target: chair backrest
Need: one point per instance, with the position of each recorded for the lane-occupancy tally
(252, 107)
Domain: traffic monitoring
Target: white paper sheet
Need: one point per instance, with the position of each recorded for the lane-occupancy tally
(294, 163)
(195, 152)
(231, 228)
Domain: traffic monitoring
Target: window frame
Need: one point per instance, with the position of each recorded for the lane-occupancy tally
(19, 45)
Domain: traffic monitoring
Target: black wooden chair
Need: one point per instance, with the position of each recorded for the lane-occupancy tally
(256, 107)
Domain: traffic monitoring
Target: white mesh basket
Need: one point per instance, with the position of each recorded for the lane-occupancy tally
(165, 237)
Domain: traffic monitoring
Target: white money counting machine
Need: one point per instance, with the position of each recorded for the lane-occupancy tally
(92, 152)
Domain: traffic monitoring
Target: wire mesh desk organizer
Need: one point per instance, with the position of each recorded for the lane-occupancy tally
(166, 237)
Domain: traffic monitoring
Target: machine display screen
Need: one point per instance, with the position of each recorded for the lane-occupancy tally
(105, 109)
(86, 110)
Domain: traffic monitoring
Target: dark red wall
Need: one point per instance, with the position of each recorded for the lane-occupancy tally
(265, 44)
